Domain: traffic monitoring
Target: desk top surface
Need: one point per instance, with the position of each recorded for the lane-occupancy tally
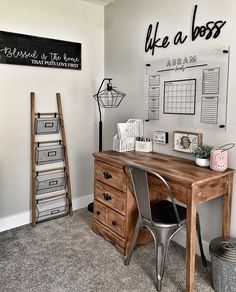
(172, 168)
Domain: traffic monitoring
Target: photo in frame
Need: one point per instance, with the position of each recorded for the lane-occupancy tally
(186, 142)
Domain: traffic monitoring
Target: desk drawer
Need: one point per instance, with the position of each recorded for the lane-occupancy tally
(100, 212)
(109, 218)
(116, 222)
(110, 175)
(110, 197)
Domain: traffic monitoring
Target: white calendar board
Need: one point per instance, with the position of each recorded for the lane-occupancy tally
(190, 89)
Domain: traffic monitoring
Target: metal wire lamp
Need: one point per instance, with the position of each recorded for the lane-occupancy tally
(107, 98)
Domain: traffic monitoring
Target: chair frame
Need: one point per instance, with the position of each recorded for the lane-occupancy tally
(161, 232)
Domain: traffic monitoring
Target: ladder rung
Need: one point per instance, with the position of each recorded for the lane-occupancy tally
(51, 170)
(46, 114)
(46, 142)
(52, 197)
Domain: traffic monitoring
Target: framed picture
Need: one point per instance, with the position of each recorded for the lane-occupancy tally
(185, 141)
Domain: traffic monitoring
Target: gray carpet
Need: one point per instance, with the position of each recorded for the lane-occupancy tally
(65, 255)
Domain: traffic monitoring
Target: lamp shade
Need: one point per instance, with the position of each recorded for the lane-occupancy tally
(108, 97)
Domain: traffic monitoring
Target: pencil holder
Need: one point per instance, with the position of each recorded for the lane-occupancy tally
(143, 146)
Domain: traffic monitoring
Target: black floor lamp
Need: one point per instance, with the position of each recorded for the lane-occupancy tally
(106, 98)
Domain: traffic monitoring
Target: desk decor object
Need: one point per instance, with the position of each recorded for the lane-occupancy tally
(202, 155)
(160, 137)
(219, 157)
(124, 140)
(186, 141)
(143, 144)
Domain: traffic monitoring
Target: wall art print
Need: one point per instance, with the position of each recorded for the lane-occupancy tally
(186, 141)
(20, 49)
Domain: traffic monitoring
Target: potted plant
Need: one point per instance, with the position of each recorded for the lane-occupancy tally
(202, 155)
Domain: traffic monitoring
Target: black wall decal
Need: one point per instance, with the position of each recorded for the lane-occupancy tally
(211, 29)
(20, 49)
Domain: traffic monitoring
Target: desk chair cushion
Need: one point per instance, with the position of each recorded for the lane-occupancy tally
(163, 212)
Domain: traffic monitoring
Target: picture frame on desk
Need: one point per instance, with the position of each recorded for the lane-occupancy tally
(186, 142)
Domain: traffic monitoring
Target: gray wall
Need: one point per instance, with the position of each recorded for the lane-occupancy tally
(126, 23)
(75, 21)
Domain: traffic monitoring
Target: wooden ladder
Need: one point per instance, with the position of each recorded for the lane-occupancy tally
(34, 171)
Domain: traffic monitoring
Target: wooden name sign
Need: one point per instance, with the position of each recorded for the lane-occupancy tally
(20, 49)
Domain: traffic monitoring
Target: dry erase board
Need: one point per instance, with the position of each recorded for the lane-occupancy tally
(190, 89)
(20, 49)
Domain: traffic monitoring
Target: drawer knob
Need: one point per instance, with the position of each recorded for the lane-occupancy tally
(98, 212)
(114, 222)
(107, 175)
(106, 197)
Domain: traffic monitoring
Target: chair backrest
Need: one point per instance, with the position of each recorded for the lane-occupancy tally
(139, 179)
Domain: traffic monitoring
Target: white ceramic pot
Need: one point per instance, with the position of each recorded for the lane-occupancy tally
(202, 162)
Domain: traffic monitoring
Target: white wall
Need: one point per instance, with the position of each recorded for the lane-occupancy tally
(75, 21)
(126, 24)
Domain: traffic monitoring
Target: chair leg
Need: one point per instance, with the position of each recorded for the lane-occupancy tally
(161, 239)
(198, 228)
(132, 246)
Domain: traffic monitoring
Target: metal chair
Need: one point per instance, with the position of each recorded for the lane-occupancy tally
(163, 219)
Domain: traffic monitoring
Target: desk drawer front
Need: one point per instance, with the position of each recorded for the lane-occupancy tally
(100, 212)
(110, 175)
(109, 218)
(110, 197)
(116, 222)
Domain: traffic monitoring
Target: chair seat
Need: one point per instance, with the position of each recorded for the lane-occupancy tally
(163, 212)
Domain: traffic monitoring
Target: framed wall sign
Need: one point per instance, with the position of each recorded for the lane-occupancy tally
(21, 49)
(185, 141)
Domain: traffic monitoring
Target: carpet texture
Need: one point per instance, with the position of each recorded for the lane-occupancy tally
(65, 255)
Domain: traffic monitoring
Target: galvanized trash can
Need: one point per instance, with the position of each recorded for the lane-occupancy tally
(223, 263)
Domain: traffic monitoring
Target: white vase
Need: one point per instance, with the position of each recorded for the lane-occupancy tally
(202, 162)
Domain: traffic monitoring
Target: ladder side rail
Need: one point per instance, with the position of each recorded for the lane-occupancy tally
(33, 168)
(66, 154)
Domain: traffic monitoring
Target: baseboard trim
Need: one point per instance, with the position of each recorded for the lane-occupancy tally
(23, 218)
(180, 238)
(16, 220)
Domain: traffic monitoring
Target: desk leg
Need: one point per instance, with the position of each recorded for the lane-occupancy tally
(191, 240)
(227, 201)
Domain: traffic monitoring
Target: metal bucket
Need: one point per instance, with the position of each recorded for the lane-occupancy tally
(223, 263)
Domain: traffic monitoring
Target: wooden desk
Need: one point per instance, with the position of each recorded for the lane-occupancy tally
(190, 184)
